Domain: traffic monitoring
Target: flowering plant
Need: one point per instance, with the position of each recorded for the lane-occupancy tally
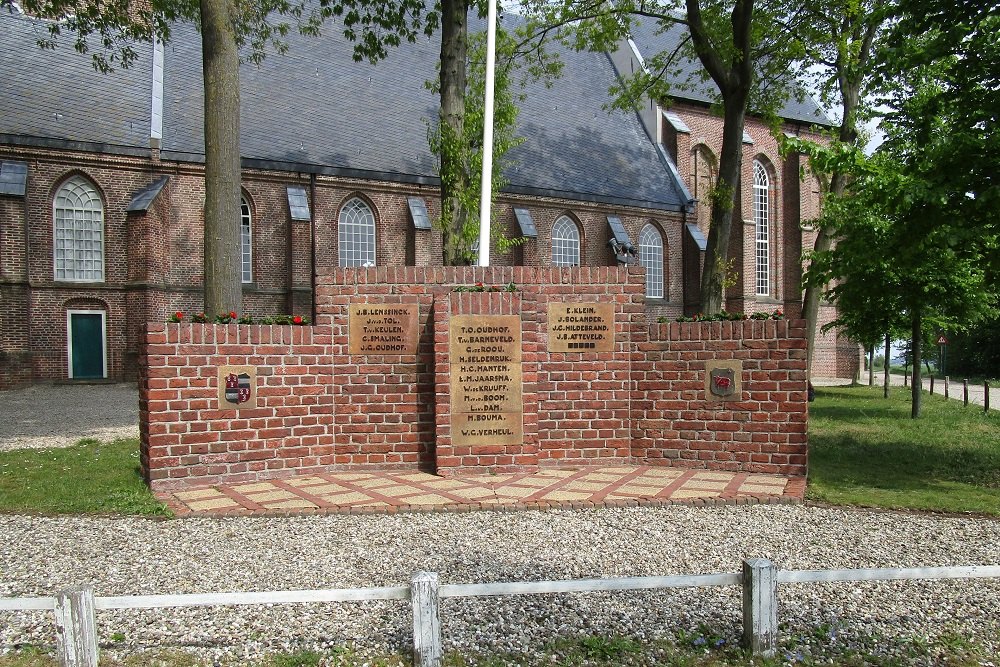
(480, 287)
(231, 316)
(724, 316)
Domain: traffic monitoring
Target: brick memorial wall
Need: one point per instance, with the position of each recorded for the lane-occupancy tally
(401, 371)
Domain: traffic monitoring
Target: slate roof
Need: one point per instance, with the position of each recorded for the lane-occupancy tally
(649, 43)
(314, 109)
(54, 96)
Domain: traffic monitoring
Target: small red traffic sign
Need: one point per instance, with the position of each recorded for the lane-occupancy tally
(942, 340)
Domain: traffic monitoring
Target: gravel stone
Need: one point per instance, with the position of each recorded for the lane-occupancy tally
(134, 556)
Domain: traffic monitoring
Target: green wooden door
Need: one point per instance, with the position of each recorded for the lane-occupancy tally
(86, 332)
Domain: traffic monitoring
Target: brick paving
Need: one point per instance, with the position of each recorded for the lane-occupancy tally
(412, 491)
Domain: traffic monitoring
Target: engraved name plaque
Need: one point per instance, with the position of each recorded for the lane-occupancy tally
(383, 328)
(581, 327)
(486, 398)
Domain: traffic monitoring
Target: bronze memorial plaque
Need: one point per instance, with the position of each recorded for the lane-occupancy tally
(581, 327)
(383, 328)
(237, 387)
(486, 403)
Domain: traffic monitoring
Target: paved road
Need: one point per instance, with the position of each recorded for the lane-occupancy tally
(58, 415)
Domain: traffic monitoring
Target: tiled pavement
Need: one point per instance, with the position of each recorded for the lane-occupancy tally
(410, 491)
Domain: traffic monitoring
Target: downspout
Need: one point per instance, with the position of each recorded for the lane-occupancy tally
(27, 282)
(312, 242)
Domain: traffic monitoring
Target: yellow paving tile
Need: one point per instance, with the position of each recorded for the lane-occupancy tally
(659, 482)
(713, 476)
(417, 476)
(396, 490)
(199, 494)
(536, 482)
(515, 491)
(557, 472)
(565, 495)
(347, 498)
(375, 483)
(304, 481)
(253, 488)
(705, 485)
(602, 477)
(693, 493)
(619, 470)
(762, 488)
(473, 492)
(766, 479)
(666, 473)
(326, 489)
(639, 490)
(427, 499)
(271, 495)
(294, 504)
(218, 503)
(349, 476)
(446, 484)
(584, 486)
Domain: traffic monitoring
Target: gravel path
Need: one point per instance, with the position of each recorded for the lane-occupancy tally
(53, 415)
(120, 556)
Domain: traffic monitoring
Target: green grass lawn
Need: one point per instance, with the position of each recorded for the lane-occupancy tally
(865, 450)
(90, 477)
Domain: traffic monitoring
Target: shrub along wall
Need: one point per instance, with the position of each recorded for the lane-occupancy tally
(331, 396)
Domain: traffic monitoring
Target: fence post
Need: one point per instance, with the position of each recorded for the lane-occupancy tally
(947, 384)
(906, 377)
(986, 396)
(932, 385)
(965, 391)
(426, 621)
(76, 628)
(760, 606)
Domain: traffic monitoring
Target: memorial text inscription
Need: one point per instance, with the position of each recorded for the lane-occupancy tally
(383, 328)
(581, 327)
(486, 397)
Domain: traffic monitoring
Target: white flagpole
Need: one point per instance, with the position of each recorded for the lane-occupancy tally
(487, 180)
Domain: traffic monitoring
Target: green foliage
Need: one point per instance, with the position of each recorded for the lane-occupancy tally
(976, 352)
(460, 158)
(105, 480)
(864, 451)
(110, 29)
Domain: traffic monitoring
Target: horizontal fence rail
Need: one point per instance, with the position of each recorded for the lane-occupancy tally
(76, 627)
(888, 574)
(588, 585)
(267, 597)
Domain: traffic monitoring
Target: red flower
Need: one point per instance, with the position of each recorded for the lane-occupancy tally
(479, 284)
(297, 319)
(179, 315)
(232, 314)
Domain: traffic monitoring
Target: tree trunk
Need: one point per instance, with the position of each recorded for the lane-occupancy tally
(724, 198)
(917, 385)
(871, 366)
(454, 171)
(223, 277)
(885, 366)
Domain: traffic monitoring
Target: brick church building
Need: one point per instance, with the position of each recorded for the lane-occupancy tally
(101, 190)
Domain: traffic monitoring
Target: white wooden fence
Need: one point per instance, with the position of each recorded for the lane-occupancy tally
(76, 626)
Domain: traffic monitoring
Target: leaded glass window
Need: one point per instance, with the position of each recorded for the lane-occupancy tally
(246, 241)
(651, 257)
(78, 232)
(761, 219)
(565, 243)
(356, 234)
